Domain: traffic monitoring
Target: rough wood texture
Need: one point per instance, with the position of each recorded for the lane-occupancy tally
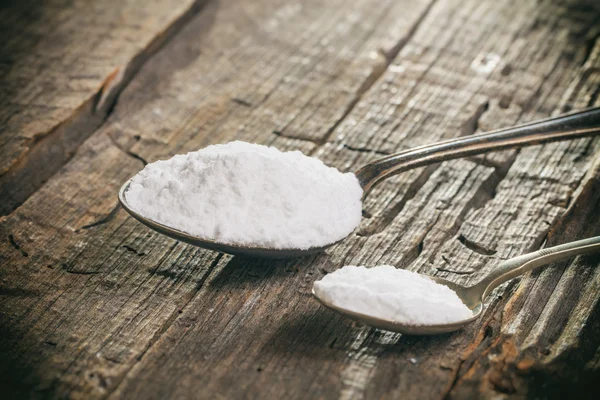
(62, 66)
(94, 305)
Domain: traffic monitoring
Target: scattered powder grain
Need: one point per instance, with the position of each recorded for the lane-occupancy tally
(250, 195)
(392, 294)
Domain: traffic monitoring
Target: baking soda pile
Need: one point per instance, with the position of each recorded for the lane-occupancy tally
(249, 195)
(392, 294)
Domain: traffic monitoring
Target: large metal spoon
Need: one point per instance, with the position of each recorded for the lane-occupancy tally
(473, 296)
(570, 126)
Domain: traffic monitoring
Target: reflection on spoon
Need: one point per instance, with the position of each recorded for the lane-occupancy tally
(472, 296)
(570, 126)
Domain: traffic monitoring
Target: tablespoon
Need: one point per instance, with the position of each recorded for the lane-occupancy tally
(474, 296)
(569, 126)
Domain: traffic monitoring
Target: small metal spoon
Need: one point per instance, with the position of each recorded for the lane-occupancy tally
(569, 126)
(473, 296)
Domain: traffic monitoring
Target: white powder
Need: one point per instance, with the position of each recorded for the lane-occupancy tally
(250, 195)
(392, 294)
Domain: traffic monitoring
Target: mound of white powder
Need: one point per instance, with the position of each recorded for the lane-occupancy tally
(392, 294)
(250, 195)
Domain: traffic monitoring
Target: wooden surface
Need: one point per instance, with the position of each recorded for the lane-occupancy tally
(94, 305)
(62, 67)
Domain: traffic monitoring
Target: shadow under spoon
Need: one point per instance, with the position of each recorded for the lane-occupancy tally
(564, 127)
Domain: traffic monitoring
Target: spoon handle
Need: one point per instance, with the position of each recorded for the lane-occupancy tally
(516, 266)
(567, 126)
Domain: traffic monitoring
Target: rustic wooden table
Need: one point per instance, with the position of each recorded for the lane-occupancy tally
(95, 305)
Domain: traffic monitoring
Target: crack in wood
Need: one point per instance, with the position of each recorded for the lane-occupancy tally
(392, 212)
(112, 360)
(416, 250)
(452, 271)
(126, 151)
(501, 170)
(484, 194)
(17, 246)
(476, 247)
(137, 157)
(375, 74)
(483, 342)
(487, 162)
(131, 328)
(25, 176)
(242, 102)
(109, 217)
(471, 125)
(366, 150)
(506, 361)
(69, 270)
(133, 250)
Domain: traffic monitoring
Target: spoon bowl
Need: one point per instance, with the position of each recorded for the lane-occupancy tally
(569, 126)
(405, 329)
(474, 296)
(238, 250)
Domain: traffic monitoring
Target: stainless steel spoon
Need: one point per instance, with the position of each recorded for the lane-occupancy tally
(473, 296)
(569, 126)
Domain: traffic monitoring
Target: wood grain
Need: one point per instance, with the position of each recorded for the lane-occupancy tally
(62, 67)
(94, 305)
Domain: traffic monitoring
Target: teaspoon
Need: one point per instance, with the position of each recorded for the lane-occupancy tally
(564, 127)
(474, 296)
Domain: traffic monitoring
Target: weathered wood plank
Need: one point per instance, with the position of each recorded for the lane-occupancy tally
(94, 304)
(79, 250)
(410, 367)
(62, 66)
(543, 341)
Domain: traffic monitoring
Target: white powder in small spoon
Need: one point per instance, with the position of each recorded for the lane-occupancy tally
(250, 195)
(392, 294)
